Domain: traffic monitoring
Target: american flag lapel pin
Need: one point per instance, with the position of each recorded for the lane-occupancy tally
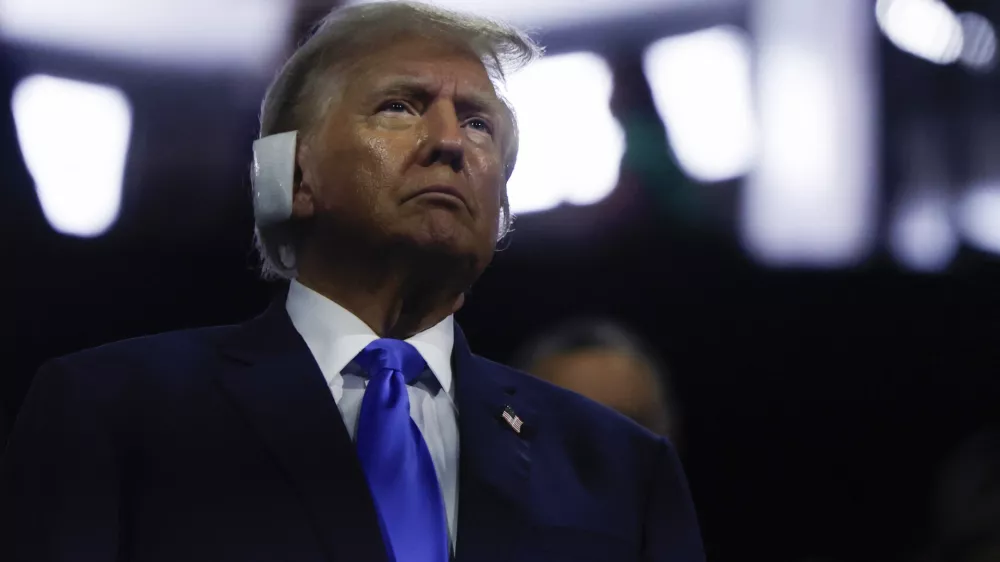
(511, 418)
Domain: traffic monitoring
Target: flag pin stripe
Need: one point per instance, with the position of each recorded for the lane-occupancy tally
(512, 419)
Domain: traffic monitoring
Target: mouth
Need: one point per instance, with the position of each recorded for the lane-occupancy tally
(441, 193)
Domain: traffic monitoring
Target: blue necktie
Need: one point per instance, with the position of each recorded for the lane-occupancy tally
(395, 458)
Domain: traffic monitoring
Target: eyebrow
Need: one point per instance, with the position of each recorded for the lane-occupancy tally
(476, 101)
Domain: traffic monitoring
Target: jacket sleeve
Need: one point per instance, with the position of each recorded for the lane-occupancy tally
(671, 532)
(59, 486)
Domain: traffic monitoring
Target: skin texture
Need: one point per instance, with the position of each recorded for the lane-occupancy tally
(411, 115)
(612, 378)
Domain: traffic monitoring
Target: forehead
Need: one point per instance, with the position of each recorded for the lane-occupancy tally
(423, 62)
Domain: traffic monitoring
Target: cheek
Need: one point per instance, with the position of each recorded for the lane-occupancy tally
(379, 161)
(497, 199)
(352, 172)
(494, 203)
(490, 178)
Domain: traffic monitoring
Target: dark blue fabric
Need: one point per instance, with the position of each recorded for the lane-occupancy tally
(225, 445)
(395, 458)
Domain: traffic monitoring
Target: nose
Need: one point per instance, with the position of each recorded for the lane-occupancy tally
(444, 143)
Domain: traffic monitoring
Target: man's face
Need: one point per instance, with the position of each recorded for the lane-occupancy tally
(410, 152)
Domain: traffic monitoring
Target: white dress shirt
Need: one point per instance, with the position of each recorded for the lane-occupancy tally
(335, 336)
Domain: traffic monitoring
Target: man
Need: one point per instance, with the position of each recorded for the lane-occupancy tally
(349, 422)
(605, 362)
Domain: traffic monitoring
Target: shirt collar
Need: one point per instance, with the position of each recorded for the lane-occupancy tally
(335, 336)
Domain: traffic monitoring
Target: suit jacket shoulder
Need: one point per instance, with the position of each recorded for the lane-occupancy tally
(577, 414)
(151, 350)
(601, 486)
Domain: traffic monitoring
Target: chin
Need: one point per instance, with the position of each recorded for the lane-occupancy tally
(443, 244)
(450, 250)
(447, 237)
(442, 232)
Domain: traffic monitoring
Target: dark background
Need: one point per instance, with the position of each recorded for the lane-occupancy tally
(818, 406)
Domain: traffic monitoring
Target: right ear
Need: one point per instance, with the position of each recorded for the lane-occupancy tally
(273, 177)
(303, 193)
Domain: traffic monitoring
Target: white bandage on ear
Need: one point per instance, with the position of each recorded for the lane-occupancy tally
(273, 177)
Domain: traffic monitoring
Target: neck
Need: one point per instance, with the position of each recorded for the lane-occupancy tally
(396, 298)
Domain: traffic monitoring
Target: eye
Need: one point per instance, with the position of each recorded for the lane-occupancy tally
(394, 106)
(480, 124)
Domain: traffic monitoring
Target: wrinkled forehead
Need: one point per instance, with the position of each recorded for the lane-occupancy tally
(432, 65)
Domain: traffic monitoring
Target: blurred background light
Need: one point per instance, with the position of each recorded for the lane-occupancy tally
(241, 34)
(921, 232)
(701, 85)
(571, 145)
(925, 28)
(979, 48)
(74, 137)
(810, 200)
(922, 236)
(979, 217)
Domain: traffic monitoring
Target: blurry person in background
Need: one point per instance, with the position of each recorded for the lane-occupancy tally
(966, 509)
(609, 364)
(350, 422)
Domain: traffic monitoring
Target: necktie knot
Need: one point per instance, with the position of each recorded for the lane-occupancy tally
(391, 355)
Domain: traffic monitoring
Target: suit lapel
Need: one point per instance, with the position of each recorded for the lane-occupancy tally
(494, 460)
(274, 380)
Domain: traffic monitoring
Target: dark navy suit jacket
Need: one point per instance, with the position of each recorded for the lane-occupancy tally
(225, 444)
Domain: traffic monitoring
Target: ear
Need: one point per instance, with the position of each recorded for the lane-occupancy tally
(303, 193)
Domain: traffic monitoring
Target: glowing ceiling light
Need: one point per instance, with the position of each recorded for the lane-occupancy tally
(979, 217)
(810, 200)
(702, 88)
(979, 50)
(571, 145)
(74, 137)
(922, 236)
(242, 34)
(925, 28)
